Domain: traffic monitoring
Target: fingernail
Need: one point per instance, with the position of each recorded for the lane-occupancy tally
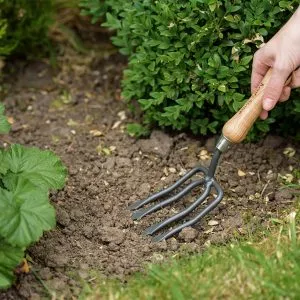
(268, 104)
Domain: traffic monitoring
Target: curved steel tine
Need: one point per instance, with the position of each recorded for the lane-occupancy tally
(155, 227)
(138, 214)
(165, 191)
(204, 212)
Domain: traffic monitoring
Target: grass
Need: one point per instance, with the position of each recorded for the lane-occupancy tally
(269, 269)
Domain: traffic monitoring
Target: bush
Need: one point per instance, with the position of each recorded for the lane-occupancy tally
(189, 61)
(24, 26)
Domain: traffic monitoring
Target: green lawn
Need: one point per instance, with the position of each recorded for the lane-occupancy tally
(265, 269)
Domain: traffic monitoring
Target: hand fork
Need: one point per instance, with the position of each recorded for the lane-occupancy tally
(234, 131)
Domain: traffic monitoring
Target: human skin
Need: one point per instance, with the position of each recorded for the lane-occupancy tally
(282, 54)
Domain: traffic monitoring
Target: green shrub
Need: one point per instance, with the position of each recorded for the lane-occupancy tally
(190, 61)
(26, 176)
(24, 26)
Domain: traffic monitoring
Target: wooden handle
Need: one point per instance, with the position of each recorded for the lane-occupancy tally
(236, 129)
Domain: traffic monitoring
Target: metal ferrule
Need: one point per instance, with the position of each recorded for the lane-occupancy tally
(223, 144)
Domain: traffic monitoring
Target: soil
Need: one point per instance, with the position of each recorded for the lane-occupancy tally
(77, 112)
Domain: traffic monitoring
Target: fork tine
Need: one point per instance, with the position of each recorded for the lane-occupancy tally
(191, 222)
(165, 191)
(155, 227)
(145, 211)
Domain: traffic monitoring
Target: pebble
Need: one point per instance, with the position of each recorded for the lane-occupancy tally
(283, 194)
(62, 217)
(188, 234)
(111, 235)
(239, 190)
(45, 273)
(88, 231)
(213, 223)
(110, 163)
(144, 189)
(57, 260)
(173, 244)
(159, 143)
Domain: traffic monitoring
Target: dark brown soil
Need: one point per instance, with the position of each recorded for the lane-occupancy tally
(79, 115)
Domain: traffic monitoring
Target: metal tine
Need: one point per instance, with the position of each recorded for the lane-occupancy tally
(191, 222)
(165, 191)
(138, 214)
(155, 227)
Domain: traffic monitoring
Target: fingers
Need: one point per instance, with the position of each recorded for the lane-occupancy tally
(285, 95)
(263, 114)
(295, 79)
(259, 69)
(274, 88)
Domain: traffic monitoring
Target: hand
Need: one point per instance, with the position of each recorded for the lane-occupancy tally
(282, 53)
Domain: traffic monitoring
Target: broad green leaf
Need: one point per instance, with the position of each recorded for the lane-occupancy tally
(4, 125)
(3, 163)
(10, 257)
(42, 168)
(25, 213)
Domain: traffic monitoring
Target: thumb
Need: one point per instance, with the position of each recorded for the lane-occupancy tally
(274, 87)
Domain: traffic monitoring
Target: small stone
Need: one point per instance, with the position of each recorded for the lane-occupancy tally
(289, 151)
(56, 284)
(212, 223)
(57, 260)
(110, 163)
(190, 247)
(62, 217)
(88, 231)
(188, 234)
(283, 194)
(111, 235)
(157, 257)
(204, 155)
(163, 245)
(173, 244)
(239, 190)
(241, 173)
(159, 143)
(96, 133)
(45, 273)
(144, 189)
(251, 197)
(172, 170)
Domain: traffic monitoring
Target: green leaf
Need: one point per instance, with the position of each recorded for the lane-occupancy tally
(137, 130)
(112, 21)
(25, 213)
(246, 60)
(3, 163)
(222, 88)
(10, 257)
(42, 168)
(4, 125)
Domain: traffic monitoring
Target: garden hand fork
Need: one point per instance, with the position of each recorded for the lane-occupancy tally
(234, 131)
